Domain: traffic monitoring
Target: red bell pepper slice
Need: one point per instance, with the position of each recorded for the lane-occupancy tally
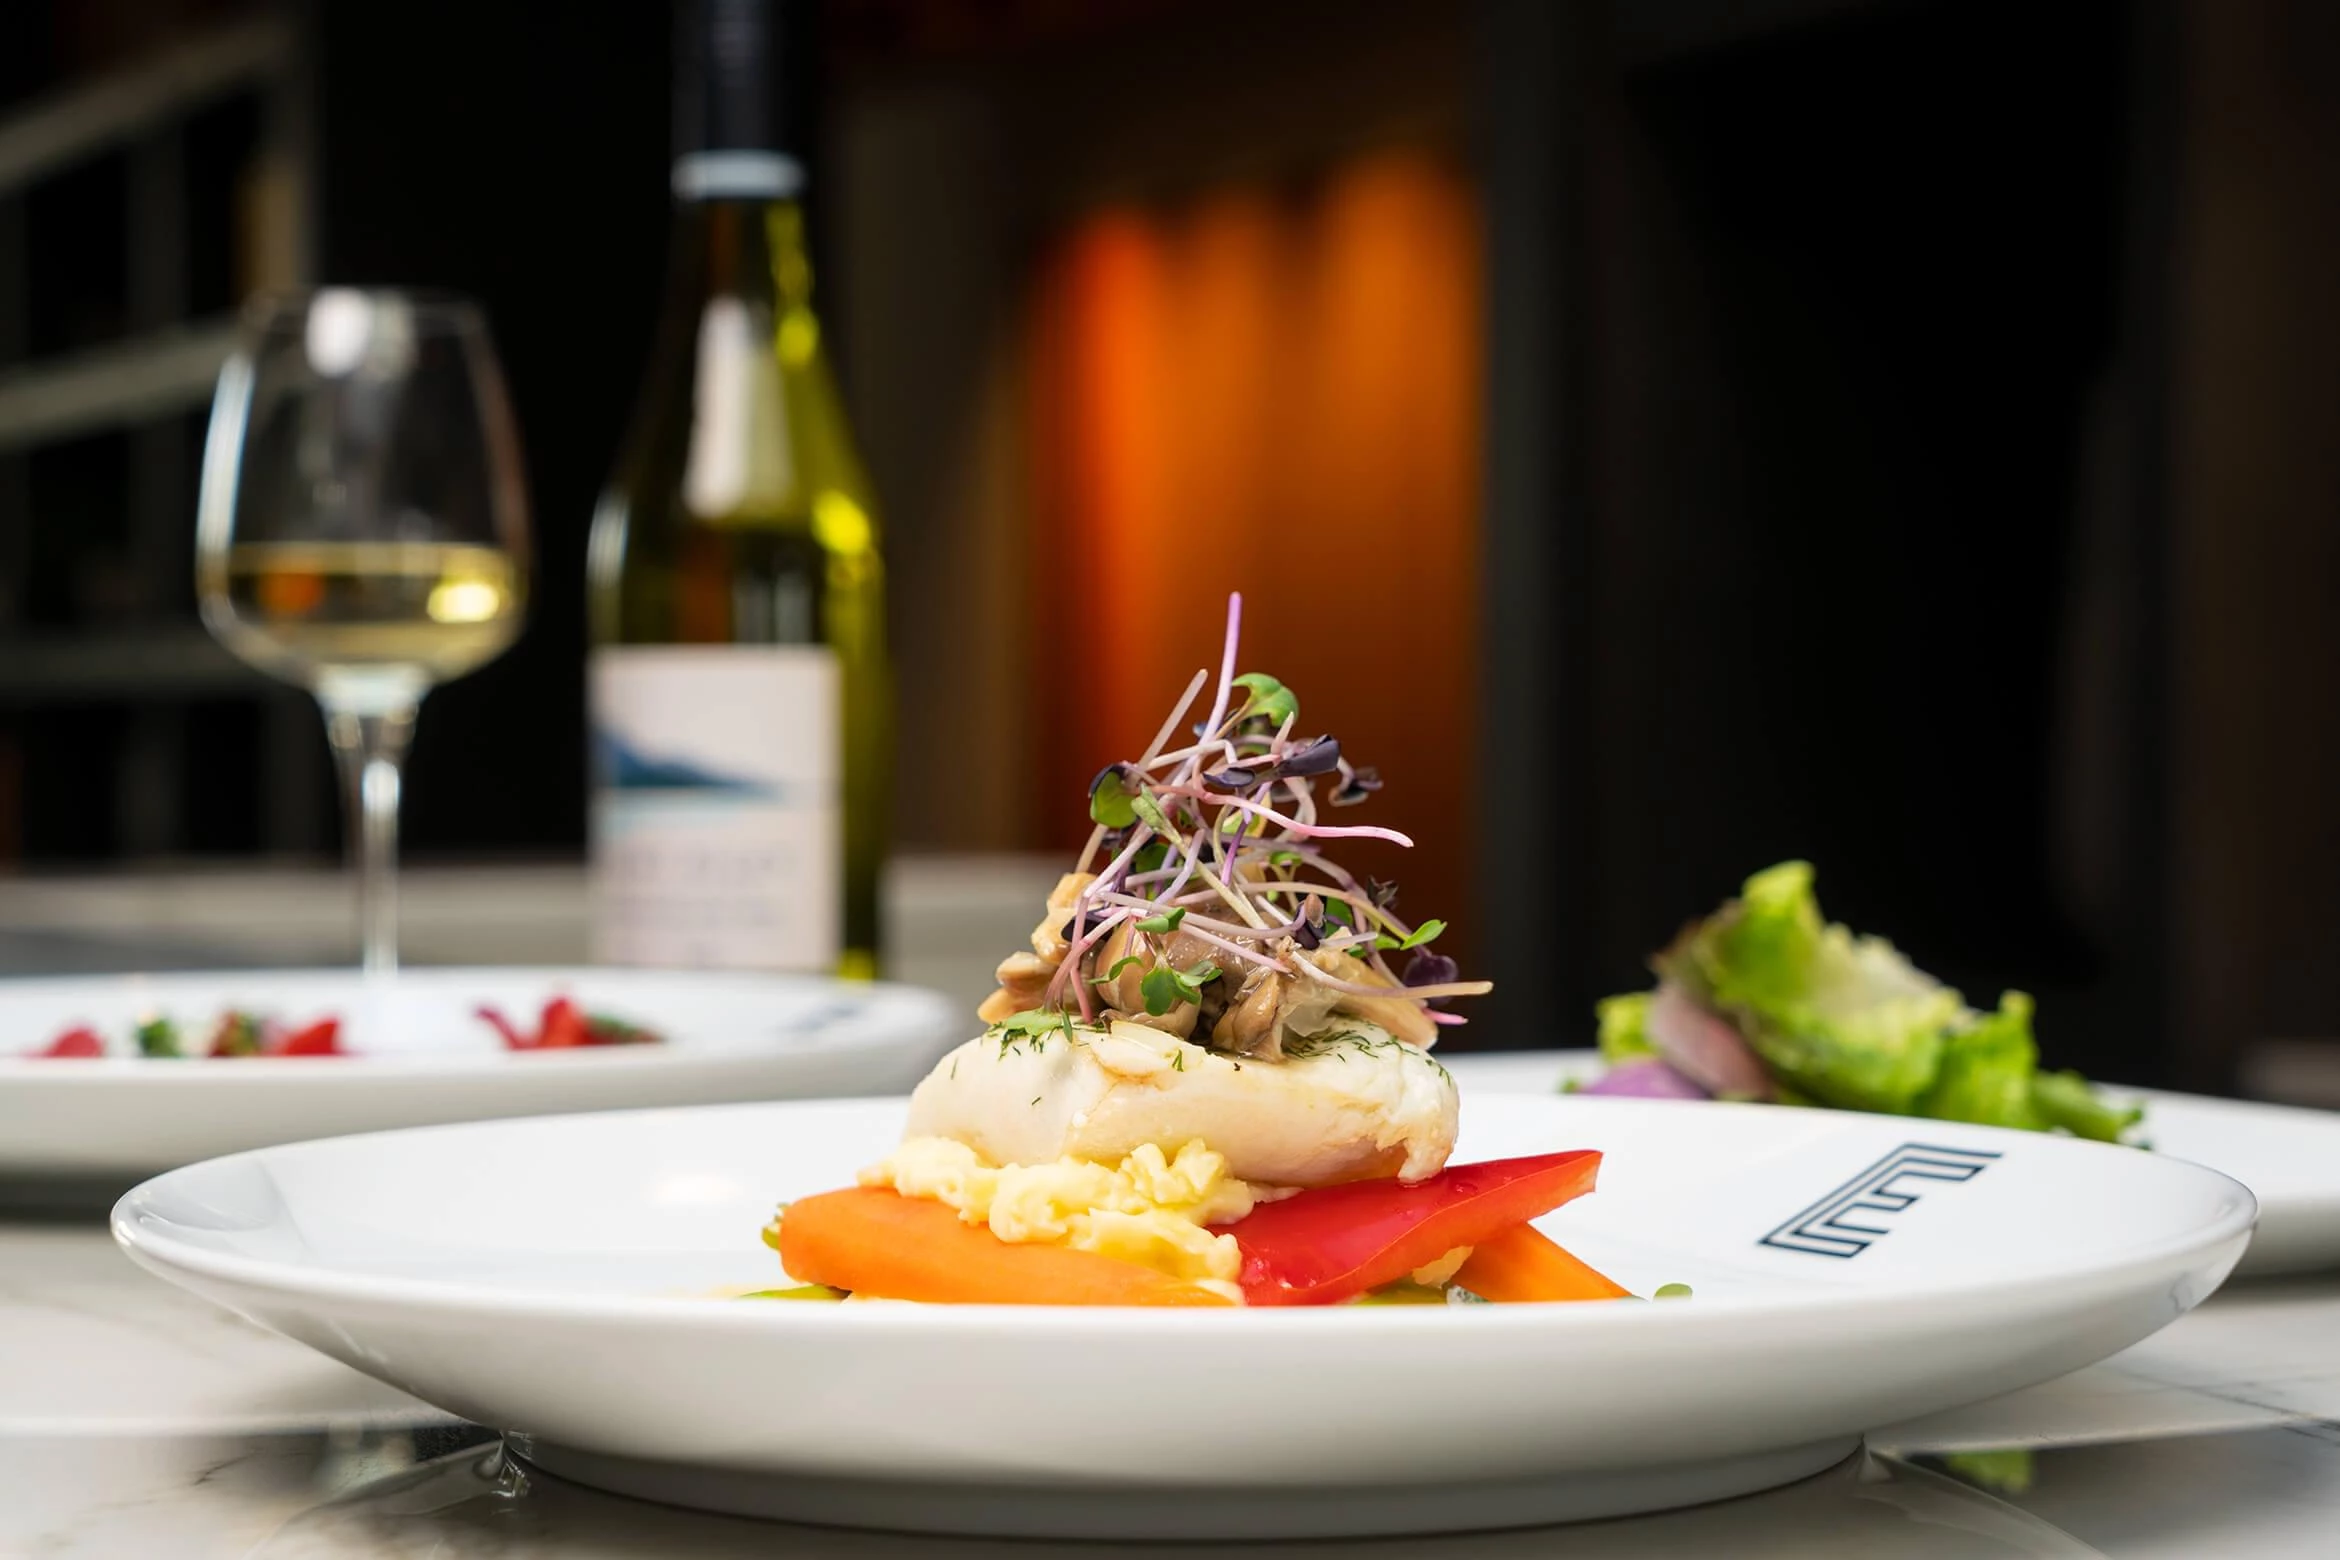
(1332, 1243)
(74, 1042)
(562, 1026)
(322, 1038)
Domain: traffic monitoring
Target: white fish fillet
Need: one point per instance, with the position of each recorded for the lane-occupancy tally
(1351, 1105)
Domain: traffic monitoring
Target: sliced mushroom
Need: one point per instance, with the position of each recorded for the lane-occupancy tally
(1272, 1009)
(1249, 1026)
(1048, 939)
(1125, 992)
(1023, 984)
(1179, 1020)
(1024, 977)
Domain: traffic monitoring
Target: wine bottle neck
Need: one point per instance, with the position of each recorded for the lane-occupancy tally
(744, 246)
(743, 98)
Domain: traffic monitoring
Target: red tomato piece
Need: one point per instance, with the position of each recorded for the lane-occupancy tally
(1331, 1243)
(74, 1042)
(563, 1026)
(322, 1038)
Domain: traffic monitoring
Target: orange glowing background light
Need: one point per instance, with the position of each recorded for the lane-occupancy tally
(1275, 391)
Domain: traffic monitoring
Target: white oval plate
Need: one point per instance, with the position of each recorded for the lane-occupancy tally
(560, 1279)
(425, 1057)
(2288, 1157)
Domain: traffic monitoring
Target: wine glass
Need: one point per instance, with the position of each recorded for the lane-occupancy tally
(362, 530)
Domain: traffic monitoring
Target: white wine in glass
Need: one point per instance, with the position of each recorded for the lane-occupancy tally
(370, 613)
(362, 531)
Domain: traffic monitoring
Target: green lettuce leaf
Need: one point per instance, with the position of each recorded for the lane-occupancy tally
(1624, 1028)
(1988, 1065)
(2064, 1099)
(2003, 1471)
(1842, 1019)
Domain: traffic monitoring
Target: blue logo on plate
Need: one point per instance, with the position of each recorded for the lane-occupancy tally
(1826, 1229)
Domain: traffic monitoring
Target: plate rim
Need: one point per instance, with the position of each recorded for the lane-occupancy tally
(95, 1071)
(156, 1250)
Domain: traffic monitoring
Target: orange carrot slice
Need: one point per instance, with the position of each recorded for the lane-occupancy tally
(876, 1242)
(1523, 1263)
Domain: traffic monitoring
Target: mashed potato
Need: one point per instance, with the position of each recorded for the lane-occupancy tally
(1152, 1208)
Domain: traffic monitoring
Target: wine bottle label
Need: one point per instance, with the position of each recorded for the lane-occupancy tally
(717, 831)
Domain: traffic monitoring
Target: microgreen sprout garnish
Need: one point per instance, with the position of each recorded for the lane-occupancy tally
(1413, 939)
(1270, 700)
(1032, 1021)
(1431, 969)
(1318, 756)
(1164, 988)
(1109, 796)
(1207, 869)
(1034, 1025)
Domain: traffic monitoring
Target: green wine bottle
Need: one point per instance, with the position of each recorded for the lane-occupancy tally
(739, 694)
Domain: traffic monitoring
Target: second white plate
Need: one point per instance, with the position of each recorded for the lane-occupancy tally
(424, 1056)
(2288, 1157)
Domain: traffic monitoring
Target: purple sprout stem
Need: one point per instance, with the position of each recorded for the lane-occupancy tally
(1292, 827)
(1252, 955)
(1459, 988)
(1356, 894)
(1230, 848)
(1226, 676)
(1089, 851)
(1071, 964)
(1193, 858)
(1218, 744)
(1186, 702)
(1080, 911)
(1203, 922)
(1234, 901)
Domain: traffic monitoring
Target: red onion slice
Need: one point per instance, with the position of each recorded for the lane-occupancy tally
(1703, 1047)
(1647, 1079)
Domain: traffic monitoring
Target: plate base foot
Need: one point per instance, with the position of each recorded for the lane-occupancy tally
(1125, 1513)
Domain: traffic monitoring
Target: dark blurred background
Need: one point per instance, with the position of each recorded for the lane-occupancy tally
(1668, 436)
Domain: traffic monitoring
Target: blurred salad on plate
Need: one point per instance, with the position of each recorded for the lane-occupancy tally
(1766, 1000)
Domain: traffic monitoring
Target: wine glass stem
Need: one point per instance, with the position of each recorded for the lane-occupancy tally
(369, 746)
